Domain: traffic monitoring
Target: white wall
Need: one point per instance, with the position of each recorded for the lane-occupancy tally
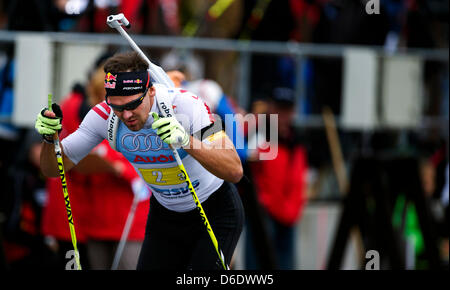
(402, 91)
(33, 77)
(359, 96)
(75, 61)
(42, 67)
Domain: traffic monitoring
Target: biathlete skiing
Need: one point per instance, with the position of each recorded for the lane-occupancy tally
(135, 125)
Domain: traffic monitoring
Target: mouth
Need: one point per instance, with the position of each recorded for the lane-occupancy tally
(131, 122)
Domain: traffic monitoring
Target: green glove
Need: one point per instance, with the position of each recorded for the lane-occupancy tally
(48, 126)
(170, 131)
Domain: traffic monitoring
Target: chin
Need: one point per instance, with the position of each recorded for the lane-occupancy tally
(135, 128)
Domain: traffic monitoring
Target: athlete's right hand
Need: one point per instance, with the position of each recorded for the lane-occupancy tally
(48, 123)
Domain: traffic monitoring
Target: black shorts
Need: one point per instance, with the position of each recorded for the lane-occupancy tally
(180, 241)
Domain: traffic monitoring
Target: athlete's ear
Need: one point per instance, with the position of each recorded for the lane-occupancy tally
(152, 91)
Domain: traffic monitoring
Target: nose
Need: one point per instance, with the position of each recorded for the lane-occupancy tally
(126, 114)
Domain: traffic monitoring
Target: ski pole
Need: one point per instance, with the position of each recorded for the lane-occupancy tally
(125, 232)
(62, 175)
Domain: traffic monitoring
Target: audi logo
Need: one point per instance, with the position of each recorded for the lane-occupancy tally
(151, 142)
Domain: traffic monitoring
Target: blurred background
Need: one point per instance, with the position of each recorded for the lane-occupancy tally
(361, 89)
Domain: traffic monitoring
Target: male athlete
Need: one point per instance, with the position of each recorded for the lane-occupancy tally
(130, 119)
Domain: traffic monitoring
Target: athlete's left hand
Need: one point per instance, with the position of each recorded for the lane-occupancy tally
(170, 131)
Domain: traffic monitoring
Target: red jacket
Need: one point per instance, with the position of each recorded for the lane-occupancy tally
(111, 199)
(281, 183)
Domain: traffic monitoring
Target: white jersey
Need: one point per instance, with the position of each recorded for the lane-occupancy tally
(150, 156)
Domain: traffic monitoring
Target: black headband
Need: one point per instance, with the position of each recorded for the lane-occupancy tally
(126, 83)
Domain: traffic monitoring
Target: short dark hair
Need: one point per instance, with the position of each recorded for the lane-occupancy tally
(126, 61)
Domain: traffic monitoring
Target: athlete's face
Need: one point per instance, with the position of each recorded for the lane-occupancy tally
(134, 118)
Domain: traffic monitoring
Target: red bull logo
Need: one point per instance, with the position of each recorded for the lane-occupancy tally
(110, 81)
(110, 85)
(138, 81)
(110, 77)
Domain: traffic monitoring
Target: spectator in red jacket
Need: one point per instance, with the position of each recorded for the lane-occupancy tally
(101, 192)
(281, 182)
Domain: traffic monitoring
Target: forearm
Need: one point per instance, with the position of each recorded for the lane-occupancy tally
(48, 162)
(219, 158)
